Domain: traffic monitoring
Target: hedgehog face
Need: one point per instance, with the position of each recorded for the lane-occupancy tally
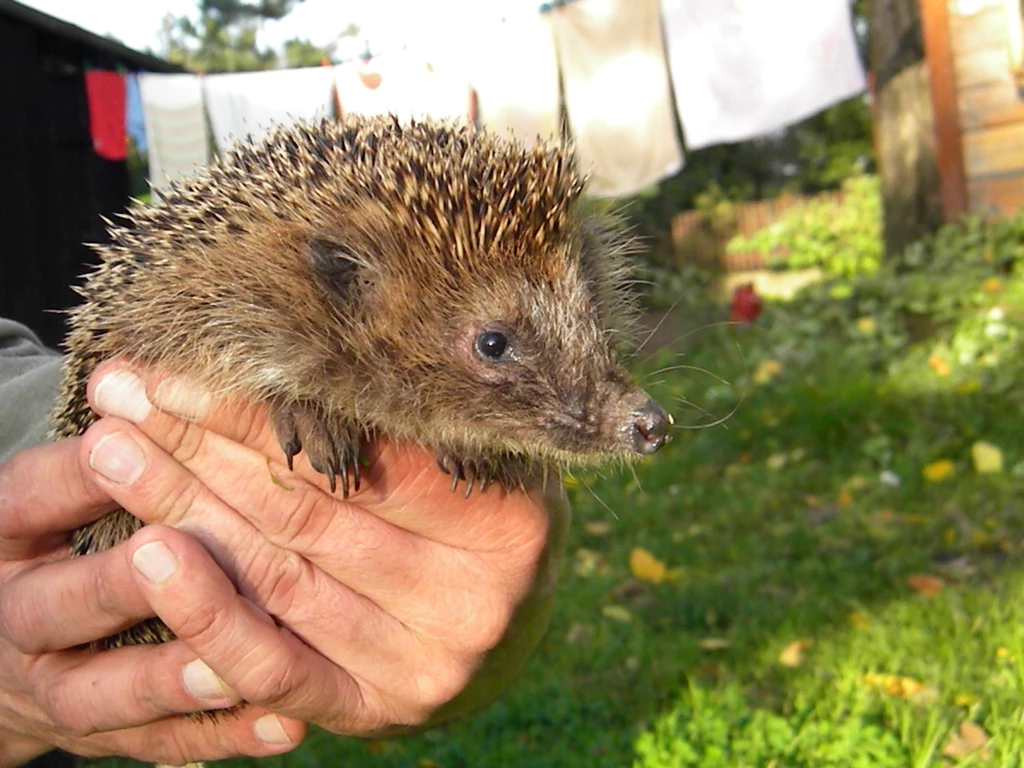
(499, 355)
(538, 370)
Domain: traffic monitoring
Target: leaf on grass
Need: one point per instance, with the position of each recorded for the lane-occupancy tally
(890, 478)
(968, 739)
(938, 471)
(966, 699)
(579, 633)
(617, 613)
(967, 387)
(793, 654)
(858, 620)
(992, 285)
(597, 528)
(866, 325)
(426, 762)
(776, 461)
(925, 584)
(586, 562)
(855, 483)
(897, 686)
(646, 566)
(885, 516)
(713, 643)
(844, 498)
(938, 364)
(925, 696)
(988, 459)
(767, 371)
(1003, 653)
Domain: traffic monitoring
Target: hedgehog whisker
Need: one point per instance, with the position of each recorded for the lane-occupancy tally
(686, 367)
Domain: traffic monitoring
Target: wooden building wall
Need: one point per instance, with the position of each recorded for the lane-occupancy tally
(53, 187)
(990, 101)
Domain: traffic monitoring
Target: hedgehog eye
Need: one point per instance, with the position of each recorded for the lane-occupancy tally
(491, 345)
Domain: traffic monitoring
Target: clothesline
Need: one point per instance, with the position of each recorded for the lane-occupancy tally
(736, 71)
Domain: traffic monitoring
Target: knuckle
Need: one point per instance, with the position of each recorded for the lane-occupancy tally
(68, 714)
(276, 579)
(18, 621)
(484, 620)
(251, 423)
(371, 716)
(486, 630)
(273, 682)
(178, 501)
(144, 686)
(184, 440)
(305, 521)
(12, 505)
(205, 620)
(437, 688)
(100, 595)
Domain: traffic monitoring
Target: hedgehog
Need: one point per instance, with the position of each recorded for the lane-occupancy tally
(420, 280)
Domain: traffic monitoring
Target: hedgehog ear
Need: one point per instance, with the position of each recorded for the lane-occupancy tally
(337, 267)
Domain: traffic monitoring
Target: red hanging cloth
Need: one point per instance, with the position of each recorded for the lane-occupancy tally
(105, 93)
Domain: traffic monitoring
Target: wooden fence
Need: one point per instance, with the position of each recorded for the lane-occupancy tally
(698, 238)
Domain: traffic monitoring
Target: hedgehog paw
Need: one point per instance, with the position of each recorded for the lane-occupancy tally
(331, 447)
(480, 472)
(470, 471)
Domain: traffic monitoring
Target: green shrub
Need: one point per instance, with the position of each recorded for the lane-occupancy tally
(842, 238)
(954, 291)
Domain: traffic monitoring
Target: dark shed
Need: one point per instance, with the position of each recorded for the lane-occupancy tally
(53, 187)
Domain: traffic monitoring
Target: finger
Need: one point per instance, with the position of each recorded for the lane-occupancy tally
(403, 484)
(265, 664)
(398, 473)
(119, 388)
(297, 519)
(141, 683)
(44, 493)
(249, 731)
(283, 584)
(71, 602)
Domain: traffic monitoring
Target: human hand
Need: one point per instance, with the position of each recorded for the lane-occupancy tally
(115, 702)
(402, 606)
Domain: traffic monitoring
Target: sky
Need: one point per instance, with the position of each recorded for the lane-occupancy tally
(385, 24)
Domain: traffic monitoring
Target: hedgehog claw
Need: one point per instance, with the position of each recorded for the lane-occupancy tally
(331, 447)
(343, 468)
(476, 472)
(332, 479)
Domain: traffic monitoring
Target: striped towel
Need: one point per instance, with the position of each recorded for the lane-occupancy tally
(175, 126)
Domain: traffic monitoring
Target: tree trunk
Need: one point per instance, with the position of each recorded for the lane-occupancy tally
(905, 143)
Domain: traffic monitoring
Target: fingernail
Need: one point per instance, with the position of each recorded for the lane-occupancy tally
(202, 682)
(182, 397)
(155, 561)
(118, 458)
(270, 731)
(123, 394)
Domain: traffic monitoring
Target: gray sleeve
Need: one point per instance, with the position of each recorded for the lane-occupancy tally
(29, 379)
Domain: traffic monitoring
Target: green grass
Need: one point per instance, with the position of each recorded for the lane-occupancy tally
(776, 528)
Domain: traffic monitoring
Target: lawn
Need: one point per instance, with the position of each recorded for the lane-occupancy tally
(830, 575)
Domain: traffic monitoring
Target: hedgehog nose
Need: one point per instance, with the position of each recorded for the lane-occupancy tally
(650, 428)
